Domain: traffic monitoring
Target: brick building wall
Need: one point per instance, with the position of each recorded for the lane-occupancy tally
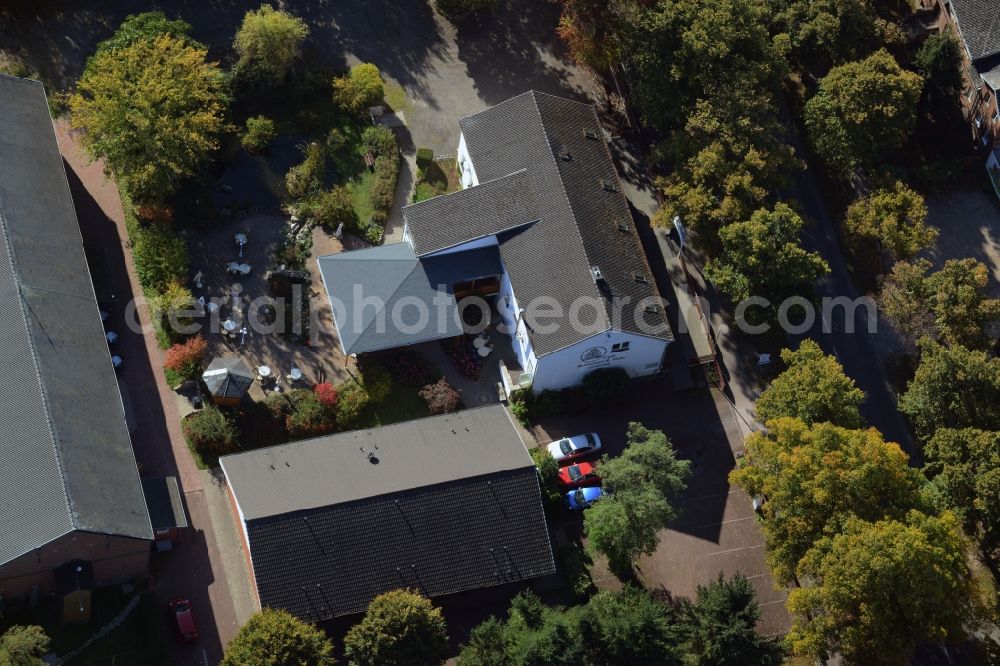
(114, 559)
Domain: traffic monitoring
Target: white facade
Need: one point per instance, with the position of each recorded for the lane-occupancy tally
(465, 166)
(638, 355)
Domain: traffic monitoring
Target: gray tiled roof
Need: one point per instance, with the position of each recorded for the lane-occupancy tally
(979, 23)
(66, 460)
(228, 377)
(580, 208)
(452, 504)
(391, 276)
(486, 210)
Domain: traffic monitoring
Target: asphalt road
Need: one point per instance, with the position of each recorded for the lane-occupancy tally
(854, 350)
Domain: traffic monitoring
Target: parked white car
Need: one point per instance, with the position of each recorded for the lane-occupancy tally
(577, 446)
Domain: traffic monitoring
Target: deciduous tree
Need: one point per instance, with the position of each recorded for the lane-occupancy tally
(939, 61)
(360, 88)
(153, 111)
(400, 628)
(630, 627)
(888, 222)
(880, 588)
(267, 45)
(23, 645)
(813, 388)
(948, 305)
(648, 458)
(862, 111)
(763, 257)
(965, 465)
(627, 524)
(824, 33)
(815, 478)
(954, 387)
(274, 637)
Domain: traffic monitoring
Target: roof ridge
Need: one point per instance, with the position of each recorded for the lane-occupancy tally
(565, 195)
(8, 246)
(466, 189)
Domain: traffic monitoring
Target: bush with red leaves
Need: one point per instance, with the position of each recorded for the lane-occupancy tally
(326, 393)
(185, 360)
(440, 397)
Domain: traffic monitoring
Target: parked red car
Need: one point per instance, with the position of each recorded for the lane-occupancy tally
(579, 475)
(184, 627)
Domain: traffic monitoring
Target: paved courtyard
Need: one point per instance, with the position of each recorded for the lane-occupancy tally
(716, 531)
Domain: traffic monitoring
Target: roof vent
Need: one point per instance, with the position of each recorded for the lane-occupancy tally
(589, 133)
(566, 157)
(608, 185)
(370, 453)
(639, 277)
(595, 272)
(623, 227)
(652, 309)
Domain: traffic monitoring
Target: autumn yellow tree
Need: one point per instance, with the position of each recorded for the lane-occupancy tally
(816, 478)
(153, 111)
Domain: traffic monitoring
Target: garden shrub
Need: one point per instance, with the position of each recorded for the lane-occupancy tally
(329, 208)
(309, 417)
(335, 140)
(425, 157)
(528, 407)
(440, 397)
(380, 140)
(259, 134)
(361, 88)
(375, 378)
(352, 398)
(160, 256)
(171, 311)
(548, 474)
(326, 394)
(606, 386)
(308, 176)
(210, 433)
(185, 360)
(463, 361)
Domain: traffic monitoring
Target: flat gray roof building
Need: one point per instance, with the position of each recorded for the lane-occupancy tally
(442, 504)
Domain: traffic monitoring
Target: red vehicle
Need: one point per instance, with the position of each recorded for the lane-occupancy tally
(180, 610)
(578, 476)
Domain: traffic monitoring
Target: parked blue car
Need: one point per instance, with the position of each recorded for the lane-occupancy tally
(581, 498)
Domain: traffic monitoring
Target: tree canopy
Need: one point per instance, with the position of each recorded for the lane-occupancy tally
(153, 110)
(882, 587)
(721, 626)
(643, 481)
(954, 387)
(948, 305)
(400, 628)
(147, 26)
(939, 61)
(964, 464)
(813, 388)
(360, 88)
(815, 478)
(823, 33)
(23, 645)
(862, 111)
(274, 637)
(267, 45)
(762, 257)
(888, 222)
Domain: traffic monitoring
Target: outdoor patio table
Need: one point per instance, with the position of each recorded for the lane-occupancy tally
(244, 269)
(295, 374)
(212, 306)
(232, 267)
(229, 325)
(484, 351)
(264, 371)
(478, 342)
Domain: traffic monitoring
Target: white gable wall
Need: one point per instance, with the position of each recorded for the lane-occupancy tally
(567, 367)
(465, 166)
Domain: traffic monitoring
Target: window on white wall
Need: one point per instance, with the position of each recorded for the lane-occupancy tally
(620, 347)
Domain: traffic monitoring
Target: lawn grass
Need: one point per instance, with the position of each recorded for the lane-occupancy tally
(436, 178)
(141, 639)
(360, 187)
(402, 404)
(396, 99)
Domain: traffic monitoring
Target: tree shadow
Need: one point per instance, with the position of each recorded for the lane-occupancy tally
(513, 49)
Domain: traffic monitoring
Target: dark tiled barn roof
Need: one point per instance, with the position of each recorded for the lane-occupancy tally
(453, 503)
(66, 460)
